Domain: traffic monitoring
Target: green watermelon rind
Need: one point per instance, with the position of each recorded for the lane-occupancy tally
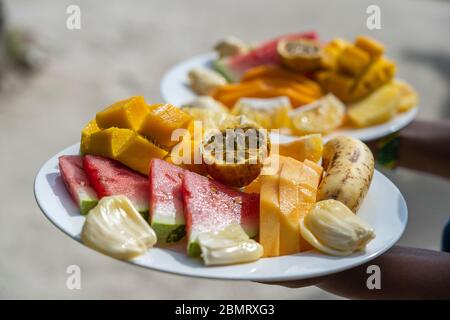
(86, 205)
(86, 199)
(144, 214)
(220, 65)
(168, 233)
(168, 230)
(194, 249)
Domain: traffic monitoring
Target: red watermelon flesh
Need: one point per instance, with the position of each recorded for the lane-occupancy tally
(234, 67)
(211, 206)
(166, 201)
(109, 177)
(77, 183)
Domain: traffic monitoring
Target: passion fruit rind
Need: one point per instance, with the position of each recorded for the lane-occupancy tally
(301, 55)
(235, 156)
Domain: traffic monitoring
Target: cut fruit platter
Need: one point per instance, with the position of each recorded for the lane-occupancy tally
(371, 101)
(209, 192)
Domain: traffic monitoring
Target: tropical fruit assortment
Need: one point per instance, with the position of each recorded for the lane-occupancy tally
(133, 132)
(340, 83)
(246, 198)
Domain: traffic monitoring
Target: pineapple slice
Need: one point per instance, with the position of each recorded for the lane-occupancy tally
(408, 97)
(211, 118)
(379, 73)
(270, 113)
(377, 108)
(322, 116)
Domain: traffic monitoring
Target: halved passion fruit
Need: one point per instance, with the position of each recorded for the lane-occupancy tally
(235, 155)
(300, 55)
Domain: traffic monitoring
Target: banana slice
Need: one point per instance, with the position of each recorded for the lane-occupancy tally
(331, 227)
(205, 103)
(203, 81)
(349, 167)
(322, 116)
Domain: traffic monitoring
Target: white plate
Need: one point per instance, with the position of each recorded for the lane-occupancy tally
(384, 209)
(175, 90)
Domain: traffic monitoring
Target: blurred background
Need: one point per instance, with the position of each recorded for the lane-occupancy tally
(53, 80)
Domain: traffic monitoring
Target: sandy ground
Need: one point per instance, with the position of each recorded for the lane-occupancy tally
(124, 50)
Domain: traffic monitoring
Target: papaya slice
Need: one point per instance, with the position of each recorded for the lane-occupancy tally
(278, 72)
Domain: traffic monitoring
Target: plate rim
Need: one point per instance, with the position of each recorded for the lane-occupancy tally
(279, 278)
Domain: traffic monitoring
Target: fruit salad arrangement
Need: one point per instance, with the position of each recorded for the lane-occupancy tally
(259, 198)
(302, 86)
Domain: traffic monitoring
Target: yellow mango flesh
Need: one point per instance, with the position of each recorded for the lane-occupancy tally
(297, 194)
(187, 154)
(288, 198)
(377, 108)
(353, 60)
(314, 166)
(307, 147)
(86, 133)
(161, 121)
(127, 114)
(286, 193)
(109, 142)
(137, 153)
(269, 225)
(271, 166)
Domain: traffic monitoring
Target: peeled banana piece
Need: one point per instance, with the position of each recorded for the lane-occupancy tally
(332, 228)
(349, 167)
(203, 80)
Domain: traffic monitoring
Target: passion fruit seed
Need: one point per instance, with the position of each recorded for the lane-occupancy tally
(235, 156)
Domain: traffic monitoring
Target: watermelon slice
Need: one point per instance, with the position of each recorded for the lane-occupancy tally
(235, 66)
(77, 183)
(211, 206)
(166, 201)
(109, 177)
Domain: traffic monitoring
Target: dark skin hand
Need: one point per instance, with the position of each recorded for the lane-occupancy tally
(406, 273)
(424, 146)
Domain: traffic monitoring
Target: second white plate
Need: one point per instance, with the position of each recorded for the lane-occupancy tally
(175, 90)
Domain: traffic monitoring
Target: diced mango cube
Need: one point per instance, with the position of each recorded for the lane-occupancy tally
(86, 133)
(374, 48)
(161, 121)
(353, 60)
(138, 152)
(187, 154)
(109, 142)
(340, 85)
(127, 114)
